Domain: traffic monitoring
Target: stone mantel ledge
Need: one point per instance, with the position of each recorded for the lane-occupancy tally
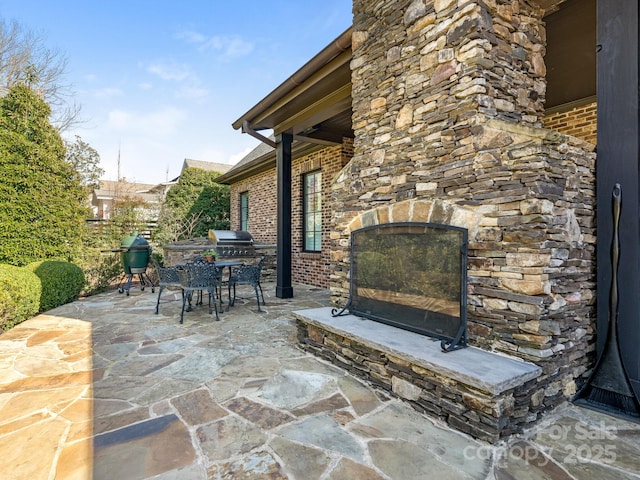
(481, 369)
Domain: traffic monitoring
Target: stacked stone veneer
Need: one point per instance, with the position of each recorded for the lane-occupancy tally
(448, 103)
(480, 412)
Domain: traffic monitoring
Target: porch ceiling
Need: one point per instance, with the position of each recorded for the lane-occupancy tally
(571, 54)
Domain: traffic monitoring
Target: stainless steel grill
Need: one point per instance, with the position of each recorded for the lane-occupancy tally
(232, 243)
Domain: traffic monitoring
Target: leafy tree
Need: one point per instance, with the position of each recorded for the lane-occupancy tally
(194, 206)
(85, 161)
(24, 59)
(42, 204)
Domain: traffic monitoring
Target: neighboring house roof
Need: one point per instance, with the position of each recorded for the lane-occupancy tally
(124, 186)
(110, 189)
(162, 188)
(202, 165)
(208, 166)
(260, 159)
(102, 194)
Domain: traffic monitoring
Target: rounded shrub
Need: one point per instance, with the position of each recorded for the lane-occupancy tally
(61, 282)
(19, 295)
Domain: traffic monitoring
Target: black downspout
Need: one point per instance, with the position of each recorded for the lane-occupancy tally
(283, 249)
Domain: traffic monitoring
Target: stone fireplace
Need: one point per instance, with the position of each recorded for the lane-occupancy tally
(411, 276)
(448, 130)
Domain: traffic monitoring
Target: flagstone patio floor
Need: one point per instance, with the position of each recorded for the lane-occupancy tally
(102, 388)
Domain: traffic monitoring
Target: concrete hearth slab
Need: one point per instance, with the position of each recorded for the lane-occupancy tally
(487, 371)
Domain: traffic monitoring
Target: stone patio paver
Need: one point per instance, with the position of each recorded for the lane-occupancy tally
(103, 388)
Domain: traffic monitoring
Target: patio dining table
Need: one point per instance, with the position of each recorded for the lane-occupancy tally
(221, 265)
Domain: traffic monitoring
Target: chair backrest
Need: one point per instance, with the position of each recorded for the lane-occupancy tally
(198, 259)
(260, 264)
(166, 275)
(198, 275)
(216, 271)
(250, 273)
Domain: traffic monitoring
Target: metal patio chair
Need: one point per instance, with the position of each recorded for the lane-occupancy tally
(247, 275)
(200, 260)
(168, 277)
(198, 277)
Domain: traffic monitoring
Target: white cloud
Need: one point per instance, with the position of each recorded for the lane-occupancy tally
(169, 71)
(212, 153)
(238, 47)
(207, 154)
(191, 36)
(190, 85)
(213, 43)
(160, 122)
(236, 157)
(145, 85)
(229, 47)
(107, 92)
(119, 119)
(141, 160)
(191, 92)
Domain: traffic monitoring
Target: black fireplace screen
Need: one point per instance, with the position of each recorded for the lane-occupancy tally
(412, 276)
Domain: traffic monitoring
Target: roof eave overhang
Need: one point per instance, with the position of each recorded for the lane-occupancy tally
(272, 112)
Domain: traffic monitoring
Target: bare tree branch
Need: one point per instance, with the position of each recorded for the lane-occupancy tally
(24, 58)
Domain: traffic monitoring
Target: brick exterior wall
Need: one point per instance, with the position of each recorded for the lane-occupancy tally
(308, 268)
(580, 122)
(263, 205)
(448, 105)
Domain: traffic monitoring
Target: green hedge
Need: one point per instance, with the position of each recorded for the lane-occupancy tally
(61, 282)
(20, 291)
(100, 270)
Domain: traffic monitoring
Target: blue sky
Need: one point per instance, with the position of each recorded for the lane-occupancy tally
(161, 81)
